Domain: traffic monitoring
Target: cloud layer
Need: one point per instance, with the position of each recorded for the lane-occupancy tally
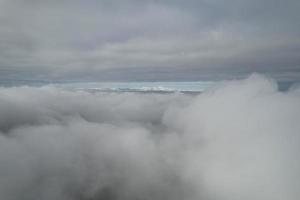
(239, 140)
(83, 40)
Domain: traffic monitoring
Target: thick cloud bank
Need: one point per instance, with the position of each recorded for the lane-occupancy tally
(237, 141)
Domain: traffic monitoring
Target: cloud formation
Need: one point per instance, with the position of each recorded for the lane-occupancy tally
(83, 40)
(238, 140)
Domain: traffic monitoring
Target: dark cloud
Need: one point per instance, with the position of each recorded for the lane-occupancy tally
(67, 39)
(239, 140)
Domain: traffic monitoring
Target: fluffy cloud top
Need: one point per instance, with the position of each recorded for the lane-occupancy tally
(239, 140)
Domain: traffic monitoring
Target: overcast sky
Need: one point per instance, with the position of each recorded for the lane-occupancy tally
(148, 39)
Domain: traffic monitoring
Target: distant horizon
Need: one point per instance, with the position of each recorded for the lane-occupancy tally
(287, 75)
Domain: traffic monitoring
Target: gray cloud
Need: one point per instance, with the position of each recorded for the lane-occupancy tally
(239, 140)
(67, 39)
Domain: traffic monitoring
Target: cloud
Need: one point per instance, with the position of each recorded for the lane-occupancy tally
(238, 140)
(81, 40)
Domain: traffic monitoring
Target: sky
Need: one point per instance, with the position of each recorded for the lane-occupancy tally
(130, 40)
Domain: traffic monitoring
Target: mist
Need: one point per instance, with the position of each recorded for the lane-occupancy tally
(236, 141)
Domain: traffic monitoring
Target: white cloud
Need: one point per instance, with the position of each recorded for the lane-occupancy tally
(238, 140)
